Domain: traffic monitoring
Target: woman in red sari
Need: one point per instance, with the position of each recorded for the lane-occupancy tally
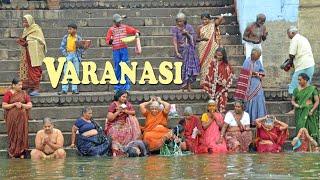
(219, 79)
(303, 142)
(193, 132)
(271, 134)
(212, 122)
(33, 49)
(121, 123)
(17, 104)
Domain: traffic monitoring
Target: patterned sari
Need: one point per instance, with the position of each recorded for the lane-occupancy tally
(217, 82)
(305, 99)
(17, 123)
(207, 49)
(275, 135)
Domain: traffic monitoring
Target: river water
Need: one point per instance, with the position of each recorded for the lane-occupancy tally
(231, 166)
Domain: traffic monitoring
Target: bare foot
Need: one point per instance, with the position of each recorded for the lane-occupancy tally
(290, 112)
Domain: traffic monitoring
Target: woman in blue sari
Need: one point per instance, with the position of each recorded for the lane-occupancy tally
(253, 72)
(90, 137)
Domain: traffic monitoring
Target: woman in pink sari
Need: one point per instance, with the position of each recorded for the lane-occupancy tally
(212, 122)
(121, 123)
(271, 134)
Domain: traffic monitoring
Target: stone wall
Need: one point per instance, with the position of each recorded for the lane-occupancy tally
(308, 25)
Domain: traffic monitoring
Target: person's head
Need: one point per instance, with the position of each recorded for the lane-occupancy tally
(72, 29)
(181, 19)
(303, 79)
(154, 107)
(188, 111)
(16, 84)
(255, 54)
(117, 19)
(261, 19)
(133, 152)
(238, 106)
(27, 20)
(221, 55)
(269, 123)
(292, 31)
(205, 18)
(47, 125)
(87, 113)
(212, 106)
(304, 132)
(121, 96)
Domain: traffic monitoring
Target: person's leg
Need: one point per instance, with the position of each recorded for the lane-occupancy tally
(36, 154)
(76, 64)
(59, 154)
(294, 82)
(125, 58)
(116, 59)
(65, 87)
(249, 47)
(260, 47)
(309, 71)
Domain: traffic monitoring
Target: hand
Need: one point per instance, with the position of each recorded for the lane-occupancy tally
(72, 146)
(179, 55)
(224, 82)
(310, 113)
(204, 39)
(296, 105)
(158, 99)
(46, 140)
(184, 32)
(111, 41)
(18, 105)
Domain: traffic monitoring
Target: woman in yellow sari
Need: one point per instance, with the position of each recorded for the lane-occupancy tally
(33, 49)
(209, 41)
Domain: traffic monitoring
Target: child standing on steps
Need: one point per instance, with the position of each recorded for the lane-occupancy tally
(119, 48)
(70, 48)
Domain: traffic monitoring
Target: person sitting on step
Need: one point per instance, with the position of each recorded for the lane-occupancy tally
(136, 148)
(49, 142)
(71, 48)
(303, 142)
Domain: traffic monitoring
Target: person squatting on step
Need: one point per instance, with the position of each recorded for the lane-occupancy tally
(49, 142)
(120, 49)
(71, 49)
(17, 104)
(33, 49)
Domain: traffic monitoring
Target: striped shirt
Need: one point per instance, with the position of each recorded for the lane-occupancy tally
(117, 33)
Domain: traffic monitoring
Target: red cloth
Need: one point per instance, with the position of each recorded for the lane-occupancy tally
(275, 135)
(242, 84)
(117, 33)
(7, 96)
(194, 145)
(34, 75)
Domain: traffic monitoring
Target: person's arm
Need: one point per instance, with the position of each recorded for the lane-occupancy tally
(132, 31)
(219, 21)
(108, 37)
(143, 107)
(59, 143)
(8, 106)
(73, 136)
(165, 104)
(112, 116)
(63, 46)
(293, 102)
(27, 106)
(39, 142)
(283, 126)
(259, 121)
(265, 33)
(129, 110)
(175, 42)
(247, 33)
(315, 105)
(223, 133)
(293, 48)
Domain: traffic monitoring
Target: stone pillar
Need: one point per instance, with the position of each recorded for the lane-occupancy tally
(53, 4)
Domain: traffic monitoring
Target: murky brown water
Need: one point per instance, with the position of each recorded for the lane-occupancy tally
(234, 166)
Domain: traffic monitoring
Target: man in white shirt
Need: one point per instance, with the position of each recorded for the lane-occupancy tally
(301, 53)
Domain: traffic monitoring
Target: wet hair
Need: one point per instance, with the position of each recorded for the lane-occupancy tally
(182, 16)
(206, 15)
(224, 54)
(119, 94)
(304, 76)
(73, 25)
(47, 120)
(132, 152)
(178, 129)
(15, 81)
(188, 110)
(238, 101)
(86, 109)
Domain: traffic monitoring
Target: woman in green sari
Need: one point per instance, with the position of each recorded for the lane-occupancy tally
(306, 101)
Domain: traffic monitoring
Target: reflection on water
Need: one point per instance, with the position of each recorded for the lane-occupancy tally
(234, 166)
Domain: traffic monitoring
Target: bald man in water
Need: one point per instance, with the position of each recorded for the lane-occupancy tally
(49, 142)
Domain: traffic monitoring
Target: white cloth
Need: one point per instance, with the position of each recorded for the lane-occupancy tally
(301, 49)
(250, 46)
(229, 119)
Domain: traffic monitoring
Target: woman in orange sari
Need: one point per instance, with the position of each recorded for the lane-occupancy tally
(33, 49)
(219, 79)
(212, 122)
(208, 44)
(271, 134)
(17, 104)
(155, 131)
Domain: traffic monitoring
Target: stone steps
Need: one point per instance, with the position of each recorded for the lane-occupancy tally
(59, 32)
(101, 41)
(70, 107)
(13, 65)
(107, 21)
(98, 13)
(106, 52)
